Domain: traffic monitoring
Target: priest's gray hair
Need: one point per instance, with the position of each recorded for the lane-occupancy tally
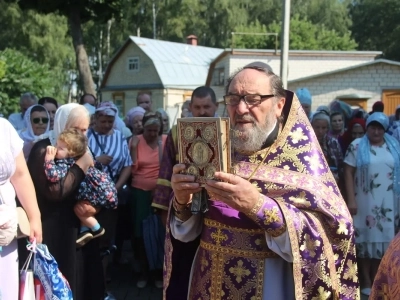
(275, 80)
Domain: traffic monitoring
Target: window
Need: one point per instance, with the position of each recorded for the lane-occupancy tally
(119, 101)
(133, 64)
(219, 77)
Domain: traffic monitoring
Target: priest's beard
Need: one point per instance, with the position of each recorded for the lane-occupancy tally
(251, 140)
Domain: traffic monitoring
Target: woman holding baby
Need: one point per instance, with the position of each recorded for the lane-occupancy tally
(58, 203)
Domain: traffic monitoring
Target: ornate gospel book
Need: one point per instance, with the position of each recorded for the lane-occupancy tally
(204, 146)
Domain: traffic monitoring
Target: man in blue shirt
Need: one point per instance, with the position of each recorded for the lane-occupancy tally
(17, 119)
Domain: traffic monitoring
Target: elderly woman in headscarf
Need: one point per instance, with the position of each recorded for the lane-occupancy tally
(37, 120)
(355, 130)
(337, 124)
(108, 145)
(330, 146)
(372, 175)
(165, 119)
(56, 202)
(110, 148)
(134, 118)
(146, 151)
(305, 99)
(119, 124)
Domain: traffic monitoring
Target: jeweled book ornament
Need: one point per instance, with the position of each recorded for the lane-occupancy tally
(204, 146)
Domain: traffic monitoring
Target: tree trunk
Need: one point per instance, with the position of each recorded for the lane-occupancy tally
(100, 58)
(108, 46)
(82, 60)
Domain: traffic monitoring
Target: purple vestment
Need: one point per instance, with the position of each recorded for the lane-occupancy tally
(387, 281)
(300, 197)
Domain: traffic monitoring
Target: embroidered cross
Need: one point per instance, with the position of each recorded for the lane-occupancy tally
(219, 237)
(385, 292)
(239, 271)
(271, 216)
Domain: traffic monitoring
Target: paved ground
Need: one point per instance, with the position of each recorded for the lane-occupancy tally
(123, 281)
(123, 285)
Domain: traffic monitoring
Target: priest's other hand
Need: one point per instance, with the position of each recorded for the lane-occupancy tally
(235, 191)
(183, 185)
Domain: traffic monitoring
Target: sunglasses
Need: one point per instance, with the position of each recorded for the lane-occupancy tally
(37, 120)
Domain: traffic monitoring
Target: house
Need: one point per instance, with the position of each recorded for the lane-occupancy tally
(357, 77)
(168, 71)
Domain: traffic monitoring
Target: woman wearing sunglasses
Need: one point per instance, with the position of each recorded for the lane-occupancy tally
(37, 119)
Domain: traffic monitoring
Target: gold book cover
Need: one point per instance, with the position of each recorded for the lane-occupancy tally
(204, 146)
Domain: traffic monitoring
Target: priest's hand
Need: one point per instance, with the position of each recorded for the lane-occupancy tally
(183, 185)
(235, 191)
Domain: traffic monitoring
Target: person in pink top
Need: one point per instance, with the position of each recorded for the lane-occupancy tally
(146, 152)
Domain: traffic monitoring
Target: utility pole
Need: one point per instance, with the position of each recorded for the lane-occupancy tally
(285, 42)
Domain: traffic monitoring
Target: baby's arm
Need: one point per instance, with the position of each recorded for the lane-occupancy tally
(54, 171)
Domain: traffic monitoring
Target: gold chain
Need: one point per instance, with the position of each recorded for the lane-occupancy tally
(262, 162)
(258, 166)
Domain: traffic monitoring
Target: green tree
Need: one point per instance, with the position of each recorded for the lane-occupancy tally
(376, 26)
(35, 35)
(251, 39)
(304, 35)
(78, 13)
(333, 14)
(18, 74)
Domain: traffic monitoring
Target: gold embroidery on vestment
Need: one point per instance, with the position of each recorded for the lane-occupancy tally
(323, 295)
(271, 216)
(219, 237)
(239, 271)
(351, 271)
(309, 245)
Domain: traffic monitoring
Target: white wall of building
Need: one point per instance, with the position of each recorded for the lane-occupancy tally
(369, 80)
(300, 65)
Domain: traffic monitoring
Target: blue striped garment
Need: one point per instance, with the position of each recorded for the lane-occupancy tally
(114, 145)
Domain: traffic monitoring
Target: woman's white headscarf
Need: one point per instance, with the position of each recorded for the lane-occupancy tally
(110, 109)
(27, 134)
(60, 120)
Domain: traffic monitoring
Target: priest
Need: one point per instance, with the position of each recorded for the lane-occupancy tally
(277, 226)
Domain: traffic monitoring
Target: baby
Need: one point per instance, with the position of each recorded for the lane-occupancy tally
(97, 187)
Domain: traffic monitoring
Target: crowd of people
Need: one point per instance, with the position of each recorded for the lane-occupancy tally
(308, 211)
(363, 152)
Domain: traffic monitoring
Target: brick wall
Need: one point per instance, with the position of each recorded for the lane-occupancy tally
(369, 80)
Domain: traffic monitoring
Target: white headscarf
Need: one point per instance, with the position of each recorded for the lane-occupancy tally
(110, 109)
(27, 134)
(60, 120)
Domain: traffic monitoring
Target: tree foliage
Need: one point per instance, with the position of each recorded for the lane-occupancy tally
(45, 30)
(376, 26)
(78, 13)
(43, 38)
(19, 74)
(304, 35)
